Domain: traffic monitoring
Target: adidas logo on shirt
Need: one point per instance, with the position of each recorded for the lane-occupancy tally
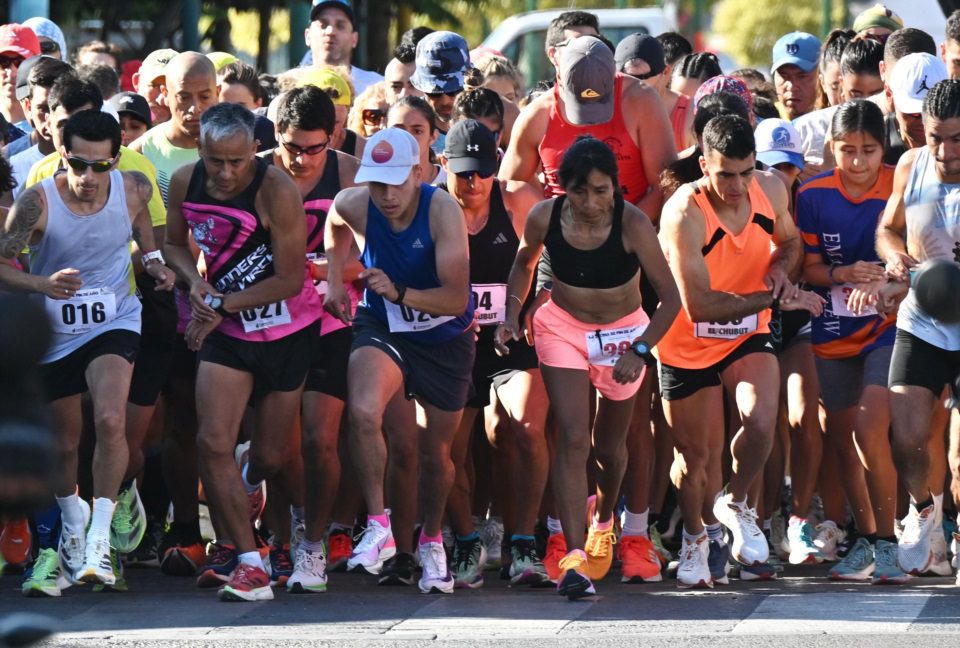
(417, 244)
(500, 239)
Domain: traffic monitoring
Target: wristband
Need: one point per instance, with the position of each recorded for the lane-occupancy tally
(155, 255)
(401, 292)
(830, 274)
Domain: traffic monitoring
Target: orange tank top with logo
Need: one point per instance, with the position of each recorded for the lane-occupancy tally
(678, 119)
(561, 134)
(737, 262)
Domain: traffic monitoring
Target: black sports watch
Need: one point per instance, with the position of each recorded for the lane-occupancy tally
(642, 349)
(216, 303)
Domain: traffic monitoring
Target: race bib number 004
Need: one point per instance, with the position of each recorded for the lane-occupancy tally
(838, 301)
(83, 312)
(490, 303)
(264, 317)
(727, 330)
(403, 319)
(604, 348)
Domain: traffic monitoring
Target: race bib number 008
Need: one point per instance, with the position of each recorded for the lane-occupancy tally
(727, 330)
(838, 301)
(489, 303)
(83, 312)
(604, 348)
(403, 319)
(264, 317)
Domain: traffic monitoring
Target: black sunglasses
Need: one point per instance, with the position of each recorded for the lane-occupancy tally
(466, 175)
(80, 165)
(316, 149)
(437, 95)
(49, 47)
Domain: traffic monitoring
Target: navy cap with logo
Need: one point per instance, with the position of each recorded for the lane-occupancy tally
(133, 104)
(441, 61)
(342, 5)
(470, 146)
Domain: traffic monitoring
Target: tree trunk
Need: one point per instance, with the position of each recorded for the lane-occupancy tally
(220, 33)
(164, 24)
(263, 39)
(379, 50)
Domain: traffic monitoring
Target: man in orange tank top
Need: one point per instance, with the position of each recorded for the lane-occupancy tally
(731, 244)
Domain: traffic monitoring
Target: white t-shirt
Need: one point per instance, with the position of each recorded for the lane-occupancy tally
(813, 128)
(22, 163)
(363, 79)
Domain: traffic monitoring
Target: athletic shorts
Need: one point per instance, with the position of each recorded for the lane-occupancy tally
(278, 365)
(567, 343)
(440, 374)
(842, 380)
(490, 369)
(918, 363)
(794, 328)
(328, 373)
(68, 375)
(158, 332)
(677, 383)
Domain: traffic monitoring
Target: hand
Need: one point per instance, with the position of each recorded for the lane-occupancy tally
(337, 303)
(475, 327)
(861, 272)
(538, 301)
(629, 368)
(890, 296)
(864, 295)
(165, 276)
(378, 281)
(197, 331)
(506, 331)
(780, 285)
(63, 284)
(201, 311)
(899, 264)
(805, 300)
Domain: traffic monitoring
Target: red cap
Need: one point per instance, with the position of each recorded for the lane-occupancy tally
(20, 40)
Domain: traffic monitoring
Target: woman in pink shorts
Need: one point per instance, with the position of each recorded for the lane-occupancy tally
(591, 331)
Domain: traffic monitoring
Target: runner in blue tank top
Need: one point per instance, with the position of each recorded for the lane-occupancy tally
(412, 331)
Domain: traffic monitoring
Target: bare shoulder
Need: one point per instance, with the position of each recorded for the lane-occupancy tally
(680, 212)
(774, 188)
(348, 166)
(138, 184)
(443, 204)
(634, 217)
(352, 202)
(637, 92)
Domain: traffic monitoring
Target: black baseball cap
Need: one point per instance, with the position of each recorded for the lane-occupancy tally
(470, 146)
(342, 5)
(640, 46)
(23, 74)
(132, 104)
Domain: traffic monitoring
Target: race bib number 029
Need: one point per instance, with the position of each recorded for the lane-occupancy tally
(83, 312)
(727, 330)
(403, 319)
(489, 303)
(264, 317)
(604, 348)
(838, 301)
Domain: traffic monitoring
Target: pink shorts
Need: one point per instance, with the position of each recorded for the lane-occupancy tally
(565, 342)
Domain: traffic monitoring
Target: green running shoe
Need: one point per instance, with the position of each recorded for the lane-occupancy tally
(45, 578)
(129, 521)
(120, 584)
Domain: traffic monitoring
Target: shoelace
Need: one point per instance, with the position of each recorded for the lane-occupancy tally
(432, 561)
(280, 559)
(341, 542)
(310, 562)
(886, 553)
(857, 555)
(596, 545)
(219, 555)
(805, 536)
(247, 575)
(72, 546)
(692, 553)
(370, 537)
(527, 551)
(748, 517)
(99, 549)
(46, 565)
(463, 552)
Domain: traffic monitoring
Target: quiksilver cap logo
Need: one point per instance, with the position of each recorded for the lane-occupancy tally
(590, 93)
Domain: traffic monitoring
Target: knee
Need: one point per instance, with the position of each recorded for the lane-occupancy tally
(212, 446)
(365, 418)
(318, 442)
(110, 426)
(529, 436)
(435, 459)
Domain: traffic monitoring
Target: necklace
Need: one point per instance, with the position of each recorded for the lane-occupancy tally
(478, 227)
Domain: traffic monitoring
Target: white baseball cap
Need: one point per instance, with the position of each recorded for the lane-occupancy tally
(388, 157)
(912, 77)
(777, 142)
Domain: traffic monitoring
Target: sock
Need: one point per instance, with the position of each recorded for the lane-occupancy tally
(939, 500)
(516, 537)
(47, 525)
(891, 539)
(689, 537)
(336, 526)
(741, 504)
(251, 488)
(425, 539)
(634, 524)
(315, 547)
(70, 512)
(602, 526)
(715, 532)
(870, 537)
(796, 519)
(297, 512)
(553, 525)
(102, 515)
(472, 537)
(186, 531)
(382, 519)
(922, 505)
(768, 524)
(251, 558)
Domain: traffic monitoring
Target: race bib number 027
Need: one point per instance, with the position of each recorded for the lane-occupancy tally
(259, 318)
(83, 312)
(489, 303)
(727, 330)
(604, 348)
(403, 319)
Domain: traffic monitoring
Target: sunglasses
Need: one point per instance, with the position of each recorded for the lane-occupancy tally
(80, 165)
(372, 116)
(49, 47)
(437, 95)
(466, 175)
(7, 62)
(316, 149)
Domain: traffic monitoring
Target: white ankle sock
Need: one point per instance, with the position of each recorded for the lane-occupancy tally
(71, 512)
(251, 558)
(102, 515)
(634, 524)
(553, 525)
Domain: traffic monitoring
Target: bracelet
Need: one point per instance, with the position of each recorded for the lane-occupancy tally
(833, 267)
(401, 292)
(519, 301)
(548, 286)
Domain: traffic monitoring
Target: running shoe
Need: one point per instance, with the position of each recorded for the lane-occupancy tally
(97, 566)
(45, 577)
(764, 571)
(800, 538)
(858, 565)
(640, 561)
(129, 522)
(827, 540)
(298, 530)
(778, 536)
(281, 567)
(436, 576)
(575, 583)
(749, 544)
(886, 570)
(556, 550)
(491, 534)
(939, 561)
(15, 542)
(469, 557)
(181, 556)
(309, 572)
(339, 548)
(119, 582)
(248, 583)
(955, 550)
(718, 561)
(398, 570)
(915, 552)
(257, 500)
(526, 567)
(663, 552)
(599, 549)
(73, 543)
(376, 546)
(221, 561)
(694, 567)
(147, 553)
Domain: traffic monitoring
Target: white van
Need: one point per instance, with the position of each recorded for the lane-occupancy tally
(521, 37)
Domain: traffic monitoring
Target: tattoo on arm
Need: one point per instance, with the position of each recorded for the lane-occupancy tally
(20, 223)
(144, 186)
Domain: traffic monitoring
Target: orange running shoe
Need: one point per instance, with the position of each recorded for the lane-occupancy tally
(599, 544)
(183, 560)
(339, 548)
(15, 541)
(556, 551)
(641, 564)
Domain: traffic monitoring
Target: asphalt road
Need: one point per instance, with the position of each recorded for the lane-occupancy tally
(801, 609)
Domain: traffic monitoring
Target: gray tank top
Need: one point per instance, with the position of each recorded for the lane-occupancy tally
(98, 246)
(933, 232)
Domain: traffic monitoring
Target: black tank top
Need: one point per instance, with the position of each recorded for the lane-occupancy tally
(493, 249)
(317, 203)
(606, 266)
(349, 145)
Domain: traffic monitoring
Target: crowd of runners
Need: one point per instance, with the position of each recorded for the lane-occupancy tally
(439, 327)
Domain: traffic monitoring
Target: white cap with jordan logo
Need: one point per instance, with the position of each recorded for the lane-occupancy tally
(912, 78)
(388, 157)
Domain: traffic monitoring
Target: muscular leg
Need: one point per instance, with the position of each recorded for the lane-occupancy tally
(954, 457)
(273, 439)
(937, 447)
(459, 502)
(911, 408)
(180, 471)
(321, 462)
(109, 379)
(436, 466)
(806, 436)
(640, 450)
(610, 430)
(138, 419)
(840, 427)
(872, 437)
(68, 419)
(401, 429)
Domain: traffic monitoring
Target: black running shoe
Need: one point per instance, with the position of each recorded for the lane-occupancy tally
(398, 570)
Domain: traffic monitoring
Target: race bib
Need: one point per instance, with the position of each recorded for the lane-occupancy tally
(490, 303)
(403, 319)
(264, 317)
(83, 312)
(838, 300)
(727, 330)
(321, 286)
(604, 348)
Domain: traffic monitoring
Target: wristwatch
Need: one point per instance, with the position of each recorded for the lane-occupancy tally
(216, 303)
(155, 255)
(642, 349)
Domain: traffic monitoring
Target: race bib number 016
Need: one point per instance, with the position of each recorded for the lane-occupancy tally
(83, 312)
(264, 317)
(604, 348)
(838, 301)
(489, 303)
(403, 319)
(727, 330)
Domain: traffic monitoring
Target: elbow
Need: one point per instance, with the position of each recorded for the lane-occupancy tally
(291, 286)
(459, 303)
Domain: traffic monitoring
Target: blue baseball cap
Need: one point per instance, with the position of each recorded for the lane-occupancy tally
(442, 58)
(796, 48)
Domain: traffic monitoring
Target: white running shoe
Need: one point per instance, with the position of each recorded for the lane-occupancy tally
(73, 545)
(491, 534)
(97, 567)
(828, 537)
(940, 562)
(954, 550)
(915, 550)
(694, 567)
(749, 545)
(436, 576)
(298, 529)
(309, 572)
(376, 547)
(802, 547)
